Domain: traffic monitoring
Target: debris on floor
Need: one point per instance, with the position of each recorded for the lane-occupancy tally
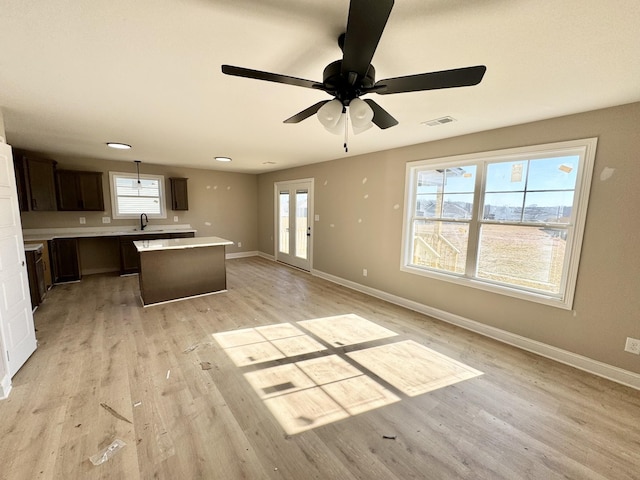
(137, 404)
(114, 413)
(191, 348)
(168, 374)
(107, 452)
(205, 365)
(390, 437)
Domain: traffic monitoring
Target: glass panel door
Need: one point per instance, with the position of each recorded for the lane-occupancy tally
(293, 228)
(283, 222)
(302, 224)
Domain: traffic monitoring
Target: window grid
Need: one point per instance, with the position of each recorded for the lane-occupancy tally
(132, 196)
(548, 236)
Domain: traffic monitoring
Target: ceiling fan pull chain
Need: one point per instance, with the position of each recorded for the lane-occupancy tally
(346, 130)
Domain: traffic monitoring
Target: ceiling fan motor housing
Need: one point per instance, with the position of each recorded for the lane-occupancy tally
(353, 76)
(340, 86)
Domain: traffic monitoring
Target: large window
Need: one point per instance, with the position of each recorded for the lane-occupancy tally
(508, 221)
(132, 196)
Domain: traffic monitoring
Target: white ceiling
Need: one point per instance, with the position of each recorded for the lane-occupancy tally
(76, 74)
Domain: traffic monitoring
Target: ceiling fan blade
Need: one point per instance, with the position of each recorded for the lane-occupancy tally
(459, 77)
(381, 117)
(365, 25)
(270, 77)
(306, 113)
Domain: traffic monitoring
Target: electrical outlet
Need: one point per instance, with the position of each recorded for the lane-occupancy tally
(83, 220)
(239, 244)
(364, 272)
(175, 218)
(106, 219)
(632, 345)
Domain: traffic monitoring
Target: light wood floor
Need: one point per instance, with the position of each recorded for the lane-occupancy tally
(525, 418)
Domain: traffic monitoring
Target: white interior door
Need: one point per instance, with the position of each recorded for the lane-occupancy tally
(294, 210)
(16, 317)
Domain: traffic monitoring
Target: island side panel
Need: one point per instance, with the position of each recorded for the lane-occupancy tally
(178, 273)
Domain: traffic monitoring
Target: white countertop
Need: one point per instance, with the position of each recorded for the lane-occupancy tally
(32, 247)
(43, 234)
(180, 243)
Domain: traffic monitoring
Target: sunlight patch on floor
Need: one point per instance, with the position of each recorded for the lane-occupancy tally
(336, 384)
(250, 346)
(343, 330)
(413, 368)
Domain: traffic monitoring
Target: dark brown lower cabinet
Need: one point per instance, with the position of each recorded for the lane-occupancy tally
(65, 260)
(129, 259)
(35, 271)
(181, 273)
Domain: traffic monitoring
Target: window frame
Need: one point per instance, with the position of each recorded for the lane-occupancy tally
(134, 176)
(585, 148)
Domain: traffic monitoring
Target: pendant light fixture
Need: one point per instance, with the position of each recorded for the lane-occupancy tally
(139, 184)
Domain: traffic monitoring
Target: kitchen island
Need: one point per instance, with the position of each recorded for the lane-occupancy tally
(173, 269)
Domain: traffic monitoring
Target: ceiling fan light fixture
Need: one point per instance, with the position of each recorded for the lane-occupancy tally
(223, 159)
(331, 117)
(361, 115)
(354, 75)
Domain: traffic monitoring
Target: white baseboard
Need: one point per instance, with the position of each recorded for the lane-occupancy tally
(252, 253)
(610, 372)
(5, 387)
(267, 256)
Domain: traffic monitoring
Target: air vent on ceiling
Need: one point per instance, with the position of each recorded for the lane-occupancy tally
(439, 121)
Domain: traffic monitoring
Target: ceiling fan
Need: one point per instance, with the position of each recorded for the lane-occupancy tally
(353, 76)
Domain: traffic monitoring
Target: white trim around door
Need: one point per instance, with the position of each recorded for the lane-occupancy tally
(293, 223)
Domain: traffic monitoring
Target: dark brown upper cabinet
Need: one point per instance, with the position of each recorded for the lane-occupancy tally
(179, 194)
(37, 182)
(21, 182)
(78, 190)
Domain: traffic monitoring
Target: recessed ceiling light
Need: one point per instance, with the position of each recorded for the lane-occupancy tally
(119, 146)
(223, 159)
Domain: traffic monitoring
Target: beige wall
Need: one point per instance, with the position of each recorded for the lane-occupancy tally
(355, 232)
(3, 135)
(220, 204)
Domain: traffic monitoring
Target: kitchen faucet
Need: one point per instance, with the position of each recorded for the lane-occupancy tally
(145, 222)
